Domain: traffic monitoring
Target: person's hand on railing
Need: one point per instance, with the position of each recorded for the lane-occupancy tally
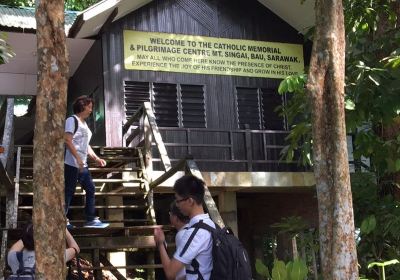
(101, 162)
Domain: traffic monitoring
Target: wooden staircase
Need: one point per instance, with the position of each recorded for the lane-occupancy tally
(122, 199)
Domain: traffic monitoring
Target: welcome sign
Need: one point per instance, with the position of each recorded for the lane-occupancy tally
(210, 55)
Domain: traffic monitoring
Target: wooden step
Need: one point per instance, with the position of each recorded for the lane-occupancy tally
(98, 180)
(98, 169)
(118, 231)
(81, 222)
(89, 233)
(107, 207)
(98, 194)
(114, 243)
(108, 268)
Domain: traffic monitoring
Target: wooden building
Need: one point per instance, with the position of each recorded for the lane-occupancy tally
(210, 70)
(227, 122)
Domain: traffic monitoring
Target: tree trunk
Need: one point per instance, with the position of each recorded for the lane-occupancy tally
(326, 90)
(48, 150)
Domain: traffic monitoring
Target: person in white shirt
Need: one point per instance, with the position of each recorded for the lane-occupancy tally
(25, 247)
(179, 222)
(189, 197)
(77, 137)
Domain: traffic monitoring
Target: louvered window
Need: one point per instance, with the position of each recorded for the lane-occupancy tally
(174, 105)
(248, 108)
(270, 101)
(192, 104)
(135, 94)
(165, 104)
(256, 108)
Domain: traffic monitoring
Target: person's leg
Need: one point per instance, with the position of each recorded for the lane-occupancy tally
(85, 179)
(87, 184)
(70, 179)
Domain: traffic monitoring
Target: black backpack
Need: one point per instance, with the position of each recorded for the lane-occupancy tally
(230, 259)
(23, 273)
(75, 129)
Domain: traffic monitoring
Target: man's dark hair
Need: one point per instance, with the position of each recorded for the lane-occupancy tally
(174, 210)
(27, 238)
(80, 103)
(190, 186)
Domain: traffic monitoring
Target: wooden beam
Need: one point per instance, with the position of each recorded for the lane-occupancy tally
(108, 21)
(157, 136)
(208, 200)
(5, 180)
(114, 271)
(168, 174)
(132, 119)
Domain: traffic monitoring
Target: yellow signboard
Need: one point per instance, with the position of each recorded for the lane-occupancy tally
(210, 55)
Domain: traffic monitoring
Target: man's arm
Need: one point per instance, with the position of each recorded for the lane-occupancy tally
(171, 266)
(97, 159)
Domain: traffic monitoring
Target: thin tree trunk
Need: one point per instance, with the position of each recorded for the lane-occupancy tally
(326, 90)
(48, 151)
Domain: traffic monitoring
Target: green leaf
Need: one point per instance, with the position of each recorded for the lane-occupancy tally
(283, 87)
(297, 270)
(368, 224)
(383, 264)
(279, 270)
(349, 104)
(262, 269)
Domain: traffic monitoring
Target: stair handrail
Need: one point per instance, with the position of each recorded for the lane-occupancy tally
(188, 163)
(145, 112)
(191, 168)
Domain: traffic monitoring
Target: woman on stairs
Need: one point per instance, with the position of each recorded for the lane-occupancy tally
(77, 137)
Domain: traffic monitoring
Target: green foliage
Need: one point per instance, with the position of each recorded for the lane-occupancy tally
(372, 99)
(71, 5)
(293, 270)
(262, 269)
(298, 114)
(382, 265)
(292, 225)
(378, 218)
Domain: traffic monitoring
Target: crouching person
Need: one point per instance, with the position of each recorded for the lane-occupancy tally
(21, 256)
(194, 255)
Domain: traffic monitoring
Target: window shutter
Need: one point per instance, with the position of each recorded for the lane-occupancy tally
(166, 104)
(193, 107)
(248, 108)
(270, 100)
(135, 94)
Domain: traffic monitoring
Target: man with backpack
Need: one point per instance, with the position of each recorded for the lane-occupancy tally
(195, 254)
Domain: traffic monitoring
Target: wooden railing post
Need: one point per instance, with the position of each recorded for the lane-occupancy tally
(12, 192)
(208, 200)
(157, 136)
(249, 150)
(148, 140)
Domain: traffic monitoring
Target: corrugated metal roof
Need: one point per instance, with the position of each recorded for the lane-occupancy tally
(24, 18)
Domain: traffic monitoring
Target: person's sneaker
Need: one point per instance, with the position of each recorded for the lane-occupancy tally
(70, 226)
(95, 223)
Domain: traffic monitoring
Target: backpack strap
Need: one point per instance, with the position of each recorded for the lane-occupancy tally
(20, 259)
(24, 270)
(195, 264)
(76, 123)
(196, 229)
